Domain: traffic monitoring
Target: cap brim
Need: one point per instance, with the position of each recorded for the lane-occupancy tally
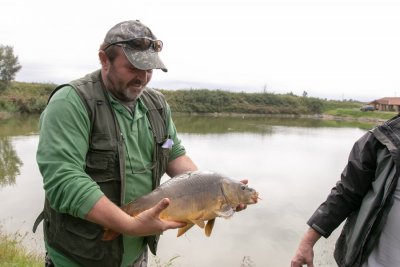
(144, 60)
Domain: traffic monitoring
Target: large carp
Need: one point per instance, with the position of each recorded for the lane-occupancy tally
(195, 197)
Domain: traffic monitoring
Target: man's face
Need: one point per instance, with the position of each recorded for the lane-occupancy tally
(123, 80)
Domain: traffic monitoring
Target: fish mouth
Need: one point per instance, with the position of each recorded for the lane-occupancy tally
(254, 198)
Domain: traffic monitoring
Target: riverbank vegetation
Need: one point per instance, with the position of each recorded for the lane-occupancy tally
(31, 98)
(13, 253)
(218, 101)
(24, 98)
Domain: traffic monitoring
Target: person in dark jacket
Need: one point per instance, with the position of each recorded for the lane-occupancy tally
(368, 197)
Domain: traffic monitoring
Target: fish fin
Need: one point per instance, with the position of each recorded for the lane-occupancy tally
(183, 230)
(226, 212)
(109, 235)
(199, 223)
(209, 227)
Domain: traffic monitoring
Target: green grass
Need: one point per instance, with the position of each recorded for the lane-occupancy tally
(356, 113)
(14, 254)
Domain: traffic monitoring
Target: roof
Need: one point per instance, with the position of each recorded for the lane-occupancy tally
(387, 101)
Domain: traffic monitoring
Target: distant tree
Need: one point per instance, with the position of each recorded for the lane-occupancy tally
(9, 66)
(305, 94)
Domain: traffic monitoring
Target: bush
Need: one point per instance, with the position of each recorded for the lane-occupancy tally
(28, 98)
(211, 101)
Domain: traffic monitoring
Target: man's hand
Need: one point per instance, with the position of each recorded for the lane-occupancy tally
(149, 223)
(305, 252)
(304, 255)
(106, 213)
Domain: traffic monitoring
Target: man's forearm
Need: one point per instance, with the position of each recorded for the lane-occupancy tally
(180, 165)
(311, 237)
(109, 215)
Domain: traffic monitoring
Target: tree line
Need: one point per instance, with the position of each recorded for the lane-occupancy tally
(219, 101)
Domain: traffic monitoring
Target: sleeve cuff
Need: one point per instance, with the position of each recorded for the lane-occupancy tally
(89, 203)
(319, 230)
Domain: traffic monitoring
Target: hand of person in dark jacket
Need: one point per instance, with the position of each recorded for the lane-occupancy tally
(305, 251)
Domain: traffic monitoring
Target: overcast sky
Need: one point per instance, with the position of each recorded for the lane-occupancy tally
(336, 49)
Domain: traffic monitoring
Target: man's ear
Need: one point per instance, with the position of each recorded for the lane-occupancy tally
(103, 59)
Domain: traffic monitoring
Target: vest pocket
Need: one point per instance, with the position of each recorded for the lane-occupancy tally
(101, 165)
(76, 237)
(103, 168)
(88, 230)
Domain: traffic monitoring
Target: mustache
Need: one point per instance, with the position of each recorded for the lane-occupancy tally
(136, 82)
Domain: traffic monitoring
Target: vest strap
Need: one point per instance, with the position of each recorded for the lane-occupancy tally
(38, 220)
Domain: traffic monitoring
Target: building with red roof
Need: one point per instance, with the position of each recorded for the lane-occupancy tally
(386, 104)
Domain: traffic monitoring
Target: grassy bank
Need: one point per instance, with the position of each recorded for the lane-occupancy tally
(24, 98)
(14, 254)
(31, 98)
(356, 114)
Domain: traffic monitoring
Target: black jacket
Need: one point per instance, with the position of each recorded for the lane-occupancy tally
(363, 195)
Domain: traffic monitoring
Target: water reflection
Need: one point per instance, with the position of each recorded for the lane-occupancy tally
(255, 124)
(17, 126)
(9, 162)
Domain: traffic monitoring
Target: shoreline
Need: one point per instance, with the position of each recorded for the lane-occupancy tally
(301, 116)
(8, 115)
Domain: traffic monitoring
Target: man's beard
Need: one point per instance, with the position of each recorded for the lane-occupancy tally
(125, 94)
(128, 95)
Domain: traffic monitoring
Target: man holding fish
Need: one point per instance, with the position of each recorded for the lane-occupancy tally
(105, 140)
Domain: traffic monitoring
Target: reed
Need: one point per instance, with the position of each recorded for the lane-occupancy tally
(14, 254)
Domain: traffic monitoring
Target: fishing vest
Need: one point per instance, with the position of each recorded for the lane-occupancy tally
(79, 239)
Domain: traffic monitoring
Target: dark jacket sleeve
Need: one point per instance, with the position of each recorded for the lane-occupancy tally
(349, 191)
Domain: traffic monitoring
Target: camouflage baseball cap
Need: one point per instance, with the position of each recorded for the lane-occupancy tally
(129, 30)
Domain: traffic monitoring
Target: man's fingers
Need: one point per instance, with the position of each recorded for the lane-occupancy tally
(175, 224)
(162, 205)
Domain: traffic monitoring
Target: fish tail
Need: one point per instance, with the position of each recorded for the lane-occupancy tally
(109, 235)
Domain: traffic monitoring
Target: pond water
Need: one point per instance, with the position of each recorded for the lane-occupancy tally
(293, 163)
